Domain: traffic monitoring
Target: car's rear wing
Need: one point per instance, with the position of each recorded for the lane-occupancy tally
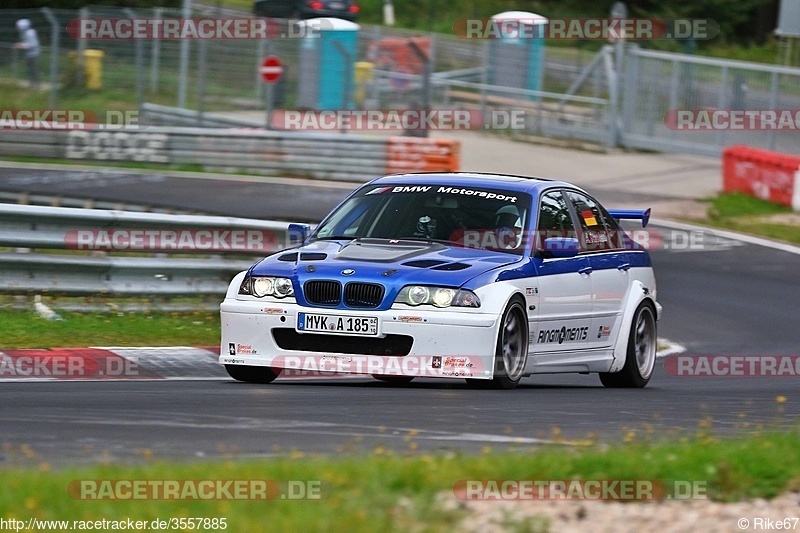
(631, 214)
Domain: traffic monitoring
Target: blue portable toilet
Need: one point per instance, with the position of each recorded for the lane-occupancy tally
(328, 53)
(516, 57)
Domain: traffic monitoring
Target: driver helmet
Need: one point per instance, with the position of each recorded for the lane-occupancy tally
(507, 217)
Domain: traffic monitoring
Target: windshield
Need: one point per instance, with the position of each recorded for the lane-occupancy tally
(486, 219)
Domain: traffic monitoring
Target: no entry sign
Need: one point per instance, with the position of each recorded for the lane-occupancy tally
(271, 69)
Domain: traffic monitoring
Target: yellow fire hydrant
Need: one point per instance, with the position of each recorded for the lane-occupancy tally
(364, 73)
(93, 66)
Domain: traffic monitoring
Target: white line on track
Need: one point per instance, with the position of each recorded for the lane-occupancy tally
(727, 234)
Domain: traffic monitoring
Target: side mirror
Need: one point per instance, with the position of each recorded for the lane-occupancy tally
(297, 234)
(562, 246)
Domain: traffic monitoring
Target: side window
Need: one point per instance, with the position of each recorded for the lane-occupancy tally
(615, 232)
(554, 218)
(594, 234)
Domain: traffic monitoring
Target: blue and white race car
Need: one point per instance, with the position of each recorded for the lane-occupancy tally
(485, 277)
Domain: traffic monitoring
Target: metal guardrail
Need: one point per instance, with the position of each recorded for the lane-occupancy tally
(355, 158)
(163, 268)
(342, 157)
(164, 115)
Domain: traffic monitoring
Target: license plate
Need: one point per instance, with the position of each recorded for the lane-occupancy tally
(336, 5)
(348, 325)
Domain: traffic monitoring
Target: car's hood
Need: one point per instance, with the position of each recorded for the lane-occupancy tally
(390, 263)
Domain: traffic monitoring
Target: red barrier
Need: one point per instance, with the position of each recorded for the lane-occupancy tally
(767, 175)
(416, 154)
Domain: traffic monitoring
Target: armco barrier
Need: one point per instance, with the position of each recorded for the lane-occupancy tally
(344, 157)
(767, 175)
(119, 259)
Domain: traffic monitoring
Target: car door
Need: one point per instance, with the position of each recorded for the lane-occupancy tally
(565, 284)
(603, 246)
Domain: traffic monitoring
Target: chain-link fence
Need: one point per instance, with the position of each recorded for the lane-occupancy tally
(221, 76)
(658, 85)
(606, 97)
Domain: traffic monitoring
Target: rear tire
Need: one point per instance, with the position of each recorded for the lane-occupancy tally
(252, 374)
(641, 355)
(511, 352)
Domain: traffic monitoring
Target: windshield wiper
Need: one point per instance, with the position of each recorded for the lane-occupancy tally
(515, 251)
(333, 238)
(423, 239)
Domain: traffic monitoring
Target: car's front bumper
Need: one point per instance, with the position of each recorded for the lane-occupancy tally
(445, 343)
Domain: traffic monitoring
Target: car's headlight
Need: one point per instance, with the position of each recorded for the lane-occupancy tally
(437, 296)
(418, 295)
(263, 286)
(267, 286)
(283, 287)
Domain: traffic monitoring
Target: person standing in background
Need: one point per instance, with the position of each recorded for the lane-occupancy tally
(29, 42)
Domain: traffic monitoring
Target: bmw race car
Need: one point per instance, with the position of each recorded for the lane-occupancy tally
(484, 277)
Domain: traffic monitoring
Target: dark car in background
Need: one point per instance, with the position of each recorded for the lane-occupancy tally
(306, 9)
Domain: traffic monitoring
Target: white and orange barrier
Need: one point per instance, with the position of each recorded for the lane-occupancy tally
(418, 154)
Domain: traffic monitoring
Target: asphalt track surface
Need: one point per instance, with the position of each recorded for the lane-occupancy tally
(250, 197)
(729, 298)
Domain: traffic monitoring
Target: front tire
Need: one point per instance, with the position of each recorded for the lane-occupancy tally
(511, 352)
(252, 374)
(641, 355)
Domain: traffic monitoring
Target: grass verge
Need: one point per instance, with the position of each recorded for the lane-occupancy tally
(24, 329)
(384, 491)
(746, 214)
